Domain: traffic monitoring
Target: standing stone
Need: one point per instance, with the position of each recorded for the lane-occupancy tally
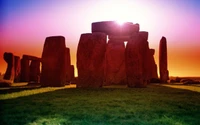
(35, 71)
(72, 72)
(152, 65)
(68, 63)
(10, 71)
(143, 49)
(25, 70)
(115, 71)
(164, 74)
(54, 62)
(25, 67)
(17, 68)
(136, 54)
(90, 60)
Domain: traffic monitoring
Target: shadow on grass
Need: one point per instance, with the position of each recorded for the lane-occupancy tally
(16, 89)
(154, 105)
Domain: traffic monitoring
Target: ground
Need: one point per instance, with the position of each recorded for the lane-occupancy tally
(154, 105)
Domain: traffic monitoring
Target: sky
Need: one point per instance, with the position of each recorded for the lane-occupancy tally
(24, 25)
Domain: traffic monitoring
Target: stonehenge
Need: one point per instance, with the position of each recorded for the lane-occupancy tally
(102, 58)
(164, 74)
(90, 60)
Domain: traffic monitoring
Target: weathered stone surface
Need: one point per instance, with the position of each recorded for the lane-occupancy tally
(164, 74)
(115, 71)
(90, 60)
(113, 28)
(136, 57)
(72, 72)
(54, 62)
(34, 71)
(144, 47)
(70, 76)
(10, 71)
(152, 65)
(17, 69)
(144, 35)
(119, 38)
(29, 57)
(25, 70)
(68, 63)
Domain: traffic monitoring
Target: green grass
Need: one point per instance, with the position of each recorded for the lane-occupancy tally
(154, 105)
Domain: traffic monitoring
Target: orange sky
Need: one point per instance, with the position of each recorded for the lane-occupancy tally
(26, 24)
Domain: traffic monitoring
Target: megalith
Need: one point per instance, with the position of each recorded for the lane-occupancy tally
(72, 72)
(17, 68)
(115, 72)
(68, 63)
(34, 71)
(25, 70)
(10, 71)
(136, 57)
(164, 74)
(143, 49)
(152, 65)
(90, 60)
(30, 68)
(113, 28)
(54, 62)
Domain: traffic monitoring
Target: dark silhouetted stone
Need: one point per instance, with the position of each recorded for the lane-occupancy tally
(113, 28)
(90, 60)
(54, 62)
(25, 70)
(71, 73)
(10, 71)
(34, 71)
(144, 48)
(29, 57)
(115, 72)
(152, 65)
(17, 69)
(26, 74)
(154, 80)
(119, 38)
(164, 74)
(136, 57)
(68, 63)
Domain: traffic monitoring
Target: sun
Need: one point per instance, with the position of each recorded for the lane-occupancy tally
(120, 11)
(120, 22)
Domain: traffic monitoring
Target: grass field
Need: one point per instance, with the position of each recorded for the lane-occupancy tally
(154, 105)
